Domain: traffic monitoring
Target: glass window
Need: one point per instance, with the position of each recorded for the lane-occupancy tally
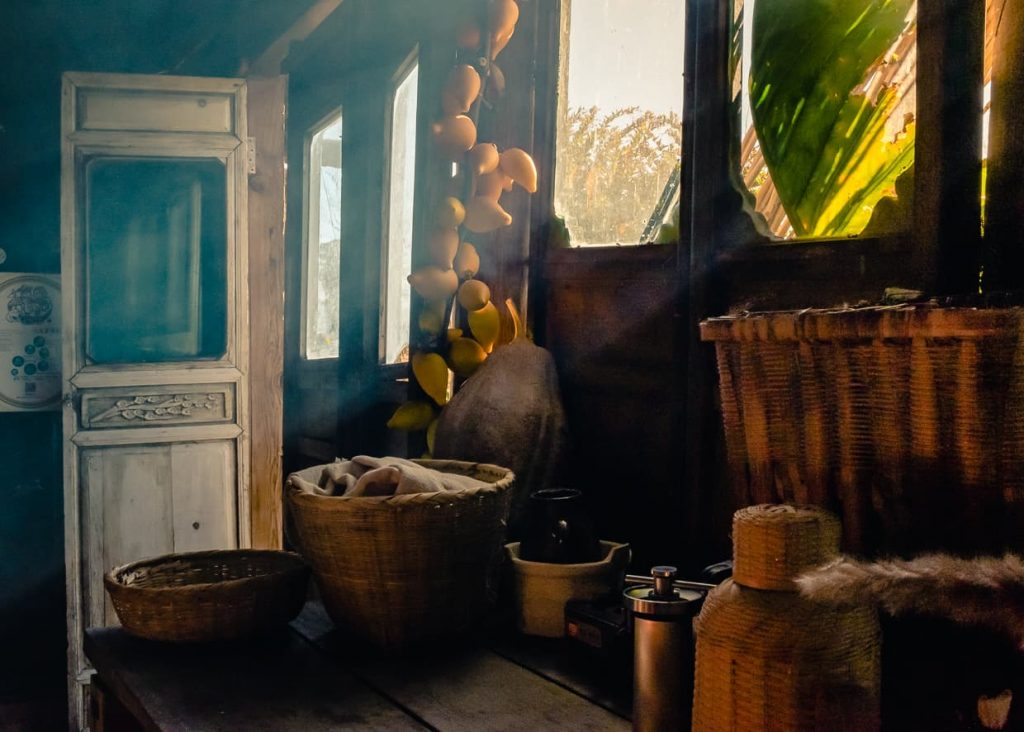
(322, 260)
(619, 136)
(155, 260)
(993, 10)
(825, 93)
(397, 258)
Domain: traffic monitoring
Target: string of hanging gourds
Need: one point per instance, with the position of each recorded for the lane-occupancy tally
(449, 283)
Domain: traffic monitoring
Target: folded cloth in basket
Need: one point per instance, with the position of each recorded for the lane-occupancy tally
(384, 476)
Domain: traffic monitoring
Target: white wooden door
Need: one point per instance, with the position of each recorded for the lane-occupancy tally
(155, 343)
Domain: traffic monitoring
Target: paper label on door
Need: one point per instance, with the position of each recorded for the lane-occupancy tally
(30, 346)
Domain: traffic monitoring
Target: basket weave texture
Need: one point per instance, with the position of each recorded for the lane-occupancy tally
(774, 544)
(771, 660)
(405, 570)
(908, 421)
(208, 596)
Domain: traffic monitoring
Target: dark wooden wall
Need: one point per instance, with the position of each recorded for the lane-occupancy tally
(610, 323)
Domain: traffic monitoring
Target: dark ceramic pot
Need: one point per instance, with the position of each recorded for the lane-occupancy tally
(558, 529)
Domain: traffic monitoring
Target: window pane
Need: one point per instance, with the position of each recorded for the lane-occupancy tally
(397, 263)
(619, 137)
(993, 10)
(155, 260)
(323, 241)
(826, 95)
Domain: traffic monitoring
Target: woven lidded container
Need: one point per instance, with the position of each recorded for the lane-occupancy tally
(405, 570)
(907, 420)
(767, 659)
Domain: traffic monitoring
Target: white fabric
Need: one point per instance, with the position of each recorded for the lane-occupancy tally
(385, 476)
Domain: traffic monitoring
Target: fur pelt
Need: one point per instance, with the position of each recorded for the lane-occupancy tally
(986, 592)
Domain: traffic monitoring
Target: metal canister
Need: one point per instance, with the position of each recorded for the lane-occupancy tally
(662, 618)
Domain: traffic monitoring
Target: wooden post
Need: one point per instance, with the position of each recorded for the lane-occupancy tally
(947, 195)
(266, 100)
(1004, 209)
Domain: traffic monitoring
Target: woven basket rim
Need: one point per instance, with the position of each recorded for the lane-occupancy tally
(505, 477)
(863, 323)
(112, 579)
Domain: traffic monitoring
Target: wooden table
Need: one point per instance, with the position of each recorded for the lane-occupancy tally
(309, 678)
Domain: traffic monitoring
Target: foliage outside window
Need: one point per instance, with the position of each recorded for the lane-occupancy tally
(825, 96)
(397, 260)
(619, 135)
(322, 251)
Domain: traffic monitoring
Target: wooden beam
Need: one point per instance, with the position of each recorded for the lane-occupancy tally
(266, 105)
(269, 62)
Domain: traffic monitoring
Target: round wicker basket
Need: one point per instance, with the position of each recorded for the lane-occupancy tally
(208, 596)
(769, 659)
(405, 570)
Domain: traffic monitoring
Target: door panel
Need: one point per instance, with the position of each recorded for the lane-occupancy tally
(155, 272)
(150, 500)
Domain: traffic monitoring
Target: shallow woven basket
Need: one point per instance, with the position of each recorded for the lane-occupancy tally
(406, 570)
(208, 596)
(908, 420)
(771, 660)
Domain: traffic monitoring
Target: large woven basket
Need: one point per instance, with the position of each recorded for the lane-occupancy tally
(908, 421)
(207, 596)
(406, 570)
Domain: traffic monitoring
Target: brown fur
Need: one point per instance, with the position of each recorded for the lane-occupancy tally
(986, 592)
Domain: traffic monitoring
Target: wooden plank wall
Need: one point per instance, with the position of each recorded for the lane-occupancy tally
(610, 323)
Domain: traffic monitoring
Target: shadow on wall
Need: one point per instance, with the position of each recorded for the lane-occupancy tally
(32, 625)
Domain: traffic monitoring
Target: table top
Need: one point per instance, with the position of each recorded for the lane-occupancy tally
(309, 677)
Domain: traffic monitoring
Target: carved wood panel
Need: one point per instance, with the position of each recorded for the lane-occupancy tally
(189, 404)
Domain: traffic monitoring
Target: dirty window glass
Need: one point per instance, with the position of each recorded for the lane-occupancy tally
(155, 260)
(825, 93)
(620, 103)
(397, 259)
(322, 251)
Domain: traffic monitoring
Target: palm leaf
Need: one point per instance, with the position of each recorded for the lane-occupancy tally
(821, 132)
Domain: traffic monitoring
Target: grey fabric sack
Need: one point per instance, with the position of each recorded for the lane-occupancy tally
(509, 413)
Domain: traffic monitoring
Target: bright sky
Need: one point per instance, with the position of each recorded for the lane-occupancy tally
(625, 53)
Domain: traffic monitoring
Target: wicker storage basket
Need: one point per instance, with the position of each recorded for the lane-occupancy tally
(770, 660)
(405, 570)
(207, 596)
(907, 420)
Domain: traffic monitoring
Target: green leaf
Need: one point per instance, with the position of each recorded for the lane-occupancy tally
(823, 138)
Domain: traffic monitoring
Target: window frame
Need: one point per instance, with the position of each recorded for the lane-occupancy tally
(411, 63)
(559, 62)
(306, 271)
(719, 242)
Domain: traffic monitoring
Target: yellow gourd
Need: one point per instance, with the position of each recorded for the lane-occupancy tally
(431, 374)
(485, 324)
(451, 213)
(484, 215)
(484, 158)
(454, 135)
(443, 245)
(467, 261)
(460, 89)
(433, 283)
(474, 294)
(465, 356)
(519, 166)
(411, 416)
